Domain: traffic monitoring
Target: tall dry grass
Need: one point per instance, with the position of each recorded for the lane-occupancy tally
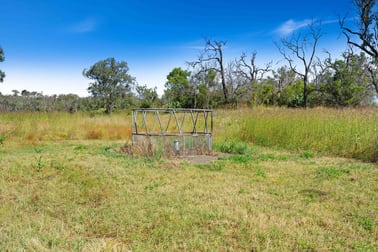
(341, 132)
(34, 127)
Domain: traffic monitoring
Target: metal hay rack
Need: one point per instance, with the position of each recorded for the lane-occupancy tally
(172, 131)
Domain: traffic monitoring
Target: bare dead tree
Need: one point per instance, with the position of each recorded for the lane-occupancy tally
(245, 72)
(212, 58)
(367, 32)
(249, 69)
(302, 47)
(366, 36)
(321, 70)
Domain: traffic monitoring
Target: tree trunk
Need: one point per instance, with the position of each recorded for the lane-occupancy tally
(225, 92)
(305, 91)
(109, 105)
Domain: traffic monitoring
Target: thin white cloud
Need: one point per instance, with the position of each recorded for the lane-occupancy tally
(291, 26)
(331, 21)
(84, 26)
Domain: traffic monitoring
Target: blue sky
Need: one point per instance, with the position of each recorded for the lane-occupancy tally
(48, 43)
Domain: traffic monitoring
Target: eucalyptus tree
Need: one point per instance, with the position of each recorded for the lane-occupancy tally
(147, 96)
(346, 81)
(283, 76)
(206, 87)
(178, 91)
(303, 48)
(111, 81)
(212, 59)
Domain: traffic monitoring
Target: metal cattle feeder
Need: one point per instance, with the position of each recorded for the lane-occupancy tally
(172, 131)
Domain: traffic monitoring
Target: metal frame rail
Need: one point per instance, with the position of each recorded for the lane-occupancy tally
(158, 128)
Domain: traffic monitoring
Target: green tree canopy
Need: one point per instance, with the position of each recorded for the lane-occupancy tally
(178, 90)
(111, 81)
(147, 96)
(348, 85)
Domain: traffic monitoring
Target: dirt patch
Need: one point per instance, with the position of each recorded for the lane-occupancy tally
(203, 159)
(200, 159)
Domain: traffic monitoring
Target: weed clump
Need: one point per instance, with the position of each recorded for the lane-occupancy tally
(233, 148)
(2, 138)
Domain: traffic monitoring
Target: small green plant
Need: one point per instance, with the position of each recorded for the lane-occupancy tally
(307, 154)
(38, 150)
(234, 148)
(80, 147)
(366, 223)
(242, 191)
(215, 166)
(2, 138)
(311, 195)
(260, 172)
(330, 172)
(153, 186)
(266, 157)
(111, 151)
(39, 164)
(240, 158)
(57, 165)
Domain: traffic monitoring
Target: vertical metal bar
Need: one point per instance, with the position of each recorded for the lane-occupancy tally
(205, 117)
(144, 121)
(154, 124)
(212, 122)
(158, 117)
(191, 114)
(177, 123)
(195, 123)
(134, 123)
(134, 126)
(182, 121)
(169, 121)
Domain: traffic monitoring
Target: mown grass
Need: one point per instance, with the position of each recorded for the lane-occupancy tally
(85, 196)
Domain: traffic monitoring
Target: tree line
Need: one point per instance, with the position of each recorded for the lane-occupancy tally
(209, 81)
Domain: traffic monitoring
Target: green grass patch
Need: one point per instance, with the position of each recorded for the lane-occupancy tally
(83, 195)
(331, 172)
(233, 147)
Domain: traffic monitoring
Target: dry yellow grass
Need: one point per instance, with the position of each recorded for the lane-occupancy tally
(333, 132)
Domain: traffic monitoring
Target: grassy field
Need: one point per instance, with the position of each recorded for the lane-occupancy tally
(349, 133)
(64, 186)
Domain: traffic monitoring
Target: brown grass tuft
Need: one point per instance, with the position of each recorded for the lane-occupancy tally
(94, 134)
